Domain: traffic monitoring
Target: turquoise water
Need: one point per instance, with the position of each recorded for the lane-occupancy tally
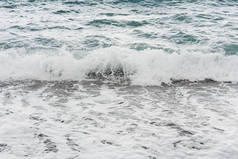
(80, 28)
(171, 26)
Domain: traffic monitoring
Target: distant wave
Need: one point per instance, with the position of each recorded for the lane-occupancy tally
(142, 68)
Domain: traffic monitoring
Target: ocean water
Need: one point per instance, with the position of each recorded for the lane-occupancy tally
(123, 79)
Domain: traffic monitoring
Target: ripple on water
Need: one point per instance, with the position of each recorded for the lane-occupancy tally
(13, 43)
(147, 35)
(81, 3)
(110, 22)
(230, 49)
(183, 38)
(96, 41)
(142, 46)
(103, 22)
(61, 12)
(182, 17)
(51, 42)
(114, 14)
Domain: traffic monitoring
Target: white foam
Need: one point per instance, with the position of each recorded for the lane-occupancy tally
(144, 68)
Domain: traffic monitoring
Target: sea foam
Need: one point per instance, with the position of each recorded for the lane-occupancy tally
(146, 67)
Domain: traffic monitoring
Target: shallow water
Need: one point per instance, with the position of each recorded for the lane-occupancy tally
(105, 79)
(69, 119)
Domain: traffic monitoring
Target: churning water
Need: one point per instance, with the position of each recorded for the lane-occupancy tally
(124, 79)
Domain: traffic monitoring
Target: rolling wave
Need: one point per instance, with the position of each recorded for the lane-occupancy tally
(146, 67)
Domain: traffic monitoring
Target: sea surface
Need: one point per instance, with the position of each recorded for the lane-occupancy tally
(118, 79)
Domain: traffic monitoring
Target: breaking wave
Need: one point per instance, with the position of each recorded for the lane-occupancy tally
(146, 67)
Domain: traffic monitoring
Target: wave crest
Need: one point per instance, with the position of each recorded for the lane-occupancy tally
(143, 68)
